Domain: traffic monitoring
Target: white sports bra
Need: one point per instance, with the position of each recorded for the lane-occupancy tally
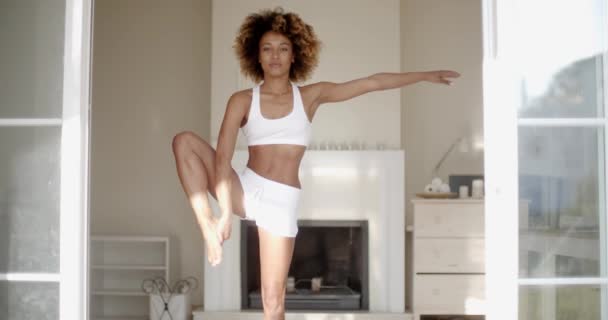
(293, 128)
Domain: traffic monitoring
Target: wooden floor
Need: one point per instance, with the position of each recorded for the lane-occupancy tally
(252, 315)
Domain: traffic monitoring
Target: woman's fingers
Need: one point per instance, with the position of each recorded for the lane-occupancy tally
(449, 74)
(444, 76)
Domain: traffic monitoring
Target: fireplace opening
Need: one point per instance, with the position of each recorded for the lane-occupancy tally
(329, 266)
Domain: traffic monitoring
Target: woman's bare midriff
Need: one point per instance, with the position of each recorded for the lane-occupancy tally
(277, 162)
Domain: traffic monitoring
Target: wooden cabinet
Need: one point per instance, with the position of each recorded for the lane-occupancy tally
(448, 257)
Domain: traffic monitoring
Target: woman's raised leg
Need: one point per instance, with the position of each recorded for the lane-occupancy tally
(275, 258)
(195, 162)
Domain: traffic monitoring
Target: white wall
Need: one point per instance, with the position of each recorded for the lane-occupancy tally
(439, 34)
(151, 66)
(359, 38)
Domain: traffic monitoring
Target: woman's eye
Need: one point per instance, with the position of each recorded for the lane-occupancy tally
(284, 49)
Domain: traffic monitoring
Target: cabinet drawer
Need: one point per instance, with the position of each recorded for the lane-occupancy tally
(449, 294)
(449, 255)
(449, 220)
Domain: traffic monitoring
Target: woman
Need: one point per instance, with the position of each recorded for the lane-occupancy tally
(275, 117)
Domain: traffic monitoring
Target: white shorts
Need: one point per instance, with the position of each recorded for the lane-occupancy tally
(272, 205)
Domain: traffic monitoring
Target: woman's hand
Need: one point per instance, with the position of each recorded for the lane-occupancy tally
(441, 76)
(224, 227)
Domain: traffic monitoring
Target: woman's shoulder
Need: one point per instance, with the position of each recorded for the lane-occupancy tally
(243, 93)
(311, 90)
(242, 96)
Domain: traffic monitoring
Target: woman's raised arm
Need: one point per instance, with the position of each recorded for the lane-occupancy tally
(326, 92)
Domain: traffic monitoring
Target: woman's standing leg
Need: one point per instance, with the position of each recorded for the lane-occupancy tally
(195, 161)
(275, 258)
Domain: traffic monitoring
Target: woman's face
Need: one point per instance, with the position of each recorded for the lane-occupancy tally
(276, 54)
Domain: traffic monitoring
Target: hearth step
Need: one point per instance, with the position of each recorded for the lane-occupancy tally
(305, 299)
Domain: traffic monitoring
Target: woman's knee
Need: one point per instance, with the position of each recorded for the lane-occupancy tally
(190, 148)
(182, 141)
(273, 299)
(190, 141)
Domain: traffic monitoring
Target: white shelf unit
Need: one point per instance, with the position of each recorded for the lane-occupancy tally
(118, 265)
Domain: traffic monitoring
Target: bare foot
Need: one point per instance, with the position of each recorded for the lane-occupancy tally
(212, 241)
(224, 228)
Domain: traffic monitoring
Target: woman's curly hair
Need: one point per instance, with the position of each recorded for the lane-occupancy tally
(304, 41)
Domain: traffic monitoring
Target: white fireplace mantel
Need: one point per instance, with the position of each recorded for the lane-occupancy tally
(336, 185)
